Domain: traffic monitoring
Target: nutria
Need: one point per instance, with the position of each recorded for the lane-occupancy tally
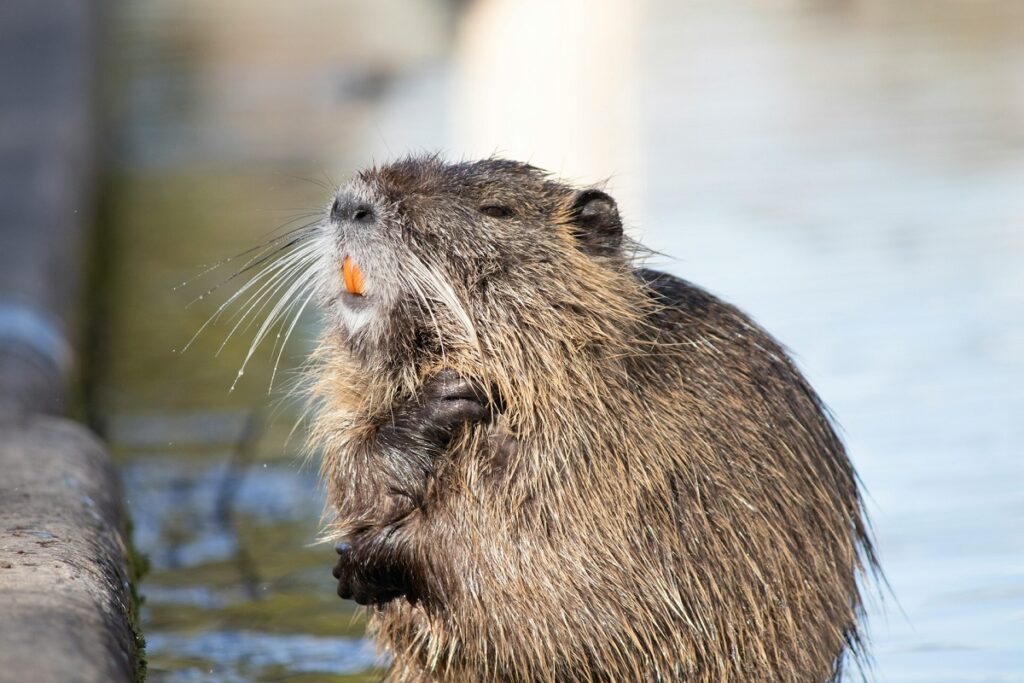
(547, 463)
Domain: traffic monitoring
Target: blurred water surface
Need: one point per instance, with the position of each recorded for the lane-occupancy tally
(849, 172)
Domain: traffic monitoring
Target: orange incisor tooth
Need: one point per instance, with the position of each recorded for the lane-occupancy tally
(353, 276)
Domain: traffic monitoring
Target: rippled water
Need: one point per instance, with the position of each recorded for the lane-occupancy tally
(848, 172)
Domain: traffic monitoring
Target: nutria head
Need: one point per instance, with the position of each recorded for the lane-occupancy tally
(421, 259)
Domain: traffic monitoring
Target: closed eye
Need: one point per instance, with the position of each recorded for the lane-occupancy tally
(496, 211)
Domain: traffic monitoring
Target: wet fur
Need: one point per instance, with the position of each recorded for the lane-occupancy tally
(662, 498)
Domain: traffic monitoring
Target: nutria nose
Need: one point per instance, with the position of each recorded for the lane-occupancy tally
(351, 210)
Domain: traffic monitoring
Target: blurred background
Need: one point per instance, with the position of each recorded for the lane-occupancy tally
(850, 172)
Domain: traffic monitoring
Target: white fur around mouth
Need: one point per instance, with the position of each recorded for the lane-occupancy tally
(355, 311)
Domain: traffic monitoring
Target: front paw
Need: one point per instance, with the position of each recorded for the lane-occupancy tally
(449, 400)
(446, 402)
(359, 580)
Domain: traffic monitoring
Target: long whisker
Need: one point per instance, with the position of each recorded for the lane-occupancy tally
(280, 281)
(272, 317)
(287, 336)
(265, 252)
(280, 311)
(283, 266)
(269, 269)
(299, 270)
(288, 268)
(250, 250)
(422, 297)
(445, 294)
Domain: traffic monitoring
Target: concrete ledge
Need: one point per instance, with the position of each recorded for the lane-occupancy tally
(65, 595)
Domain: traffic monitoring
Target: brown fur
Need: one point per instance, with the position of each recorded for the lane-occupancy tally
(662, 498)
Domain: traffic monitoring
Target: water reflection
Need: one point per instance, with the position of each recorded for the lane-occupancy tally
(242, 657)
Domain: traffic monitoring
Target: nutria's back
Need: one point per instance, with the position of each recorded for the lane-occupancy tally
(653, 491)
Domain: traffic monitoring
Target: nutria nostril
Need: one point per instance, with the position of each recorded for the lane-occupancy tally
(348, 209)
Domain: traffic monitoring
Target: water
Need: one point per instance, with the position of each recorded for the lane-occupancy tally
(847, 172)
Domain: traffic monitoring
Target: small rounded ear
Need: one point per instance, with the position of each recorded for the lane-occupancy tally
(595, 223)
